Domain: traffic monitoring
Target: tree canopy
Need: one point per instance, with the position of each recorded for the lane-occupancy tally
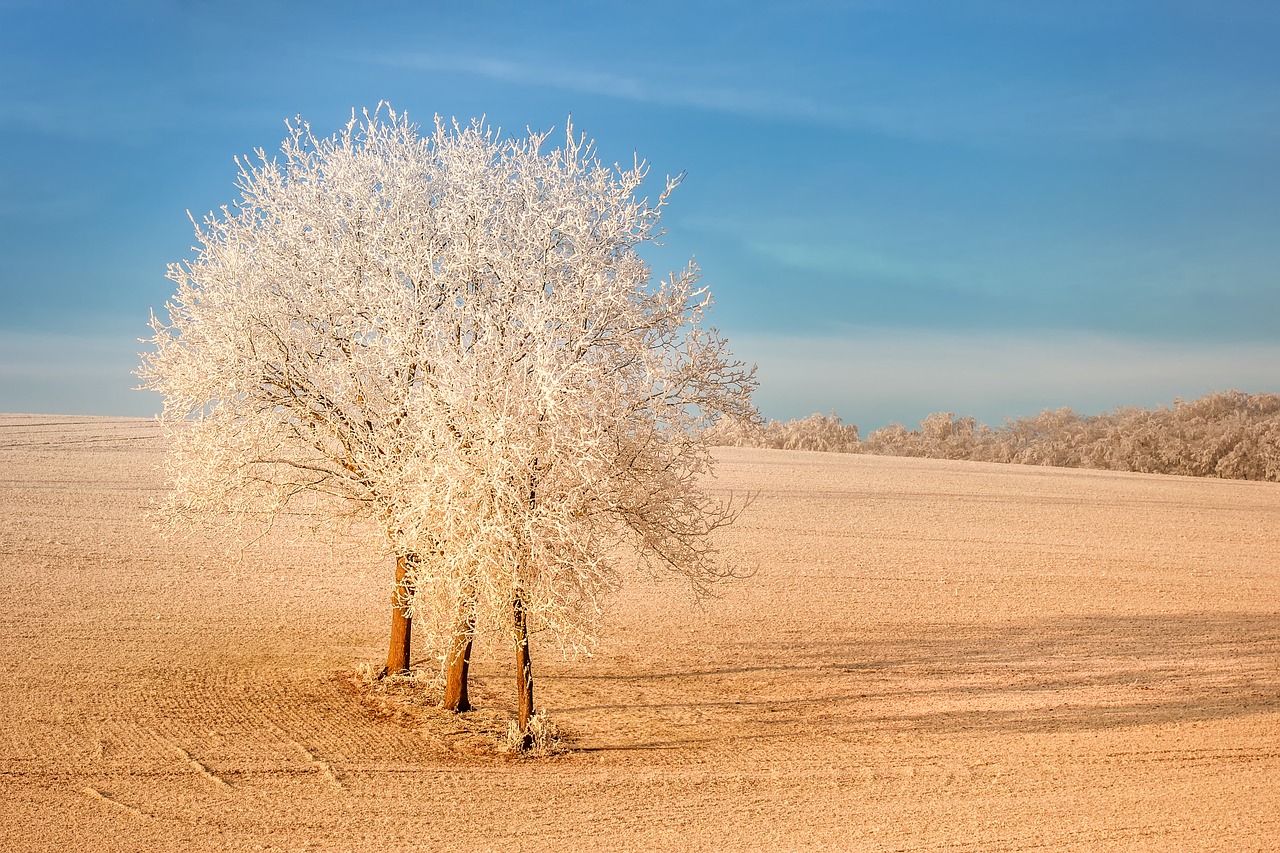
(451, 336)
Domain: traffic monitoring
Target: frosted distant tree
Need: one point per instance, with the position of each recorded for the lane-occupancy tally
(453, 337)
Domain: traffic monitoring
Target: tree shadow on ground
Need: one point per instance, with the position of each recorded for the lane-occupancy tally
(1084, 673)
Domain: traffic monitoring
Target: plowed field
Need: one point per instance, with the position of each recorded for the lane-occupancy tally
(930, 656)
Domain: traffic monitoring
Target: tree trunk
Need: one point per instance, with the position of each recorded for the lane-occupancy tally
(524, 672)
(458, 663)
(401, 625)
(456, 668)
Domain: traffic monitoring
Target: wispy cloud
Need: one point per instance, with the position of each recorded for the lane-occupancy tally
(853, 262)
(20, 200)
(929, 103)
(71, 374)
(872, 376)
(684, 92)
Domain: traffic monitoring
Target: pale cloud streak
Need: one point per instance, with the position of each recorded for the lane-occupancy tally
(873, 376)
(687, 92)
(71, 374)
(853, 262)
(872, 95)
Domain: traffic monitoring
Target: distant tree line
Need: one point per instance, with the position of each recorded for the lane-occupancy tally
(1228, 434)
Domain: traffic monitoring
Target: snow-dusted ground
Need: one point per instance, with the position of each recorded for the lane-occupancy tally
(932, 655)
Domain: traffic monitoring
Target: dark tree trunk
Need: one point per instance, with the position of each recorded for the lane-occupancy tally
(457, 665)
(401, 625)
(524, 671)
(456, 668)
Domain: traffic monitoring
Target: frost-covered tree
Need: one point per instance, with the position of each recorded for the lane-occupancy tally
(451, 336)
(826, 433)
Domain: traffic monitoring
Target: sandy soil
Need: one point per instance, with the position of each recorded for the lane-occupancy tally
(932, 656)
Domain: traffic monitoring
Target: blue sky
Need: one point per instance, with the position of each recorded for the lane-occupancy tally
(987, 207)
